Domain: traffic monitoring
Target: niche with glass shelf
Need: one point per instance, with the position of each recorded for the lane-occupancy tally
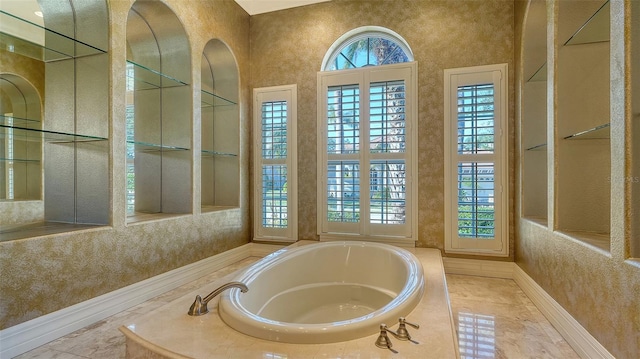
(158, 114)
(583, 151)
(69, 44)
(534, 115)
(220, 129)
(20, 141)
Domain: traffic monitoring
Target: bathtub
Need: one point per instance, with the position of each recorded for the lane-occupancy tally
(325, 292)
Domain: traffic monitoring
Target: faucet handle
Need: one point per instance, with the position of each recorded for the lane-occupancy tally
(403, 322)
(198, 307)
(383, 340)
(403, 333)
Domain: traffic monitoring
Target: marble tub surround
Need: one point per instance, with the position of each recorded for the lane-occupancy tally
(179, 335)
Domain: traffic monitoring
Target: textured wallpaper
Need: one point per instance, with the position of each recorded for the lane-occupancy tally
(44, 274)
(600, 289)
(287, 47)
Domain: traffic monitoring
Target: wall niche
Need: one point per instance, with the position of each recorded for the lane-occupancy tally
(583, 151)
(158, 108)
(70, 131)
(534, 115)
(220, 128)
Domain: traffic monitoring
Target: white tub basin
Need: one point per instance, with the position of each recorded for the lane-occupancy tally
(325, 292)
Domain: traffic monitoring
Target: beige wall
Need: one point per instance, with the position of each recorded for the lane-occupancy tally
(287, 47)
(45, 274)
(600, 289)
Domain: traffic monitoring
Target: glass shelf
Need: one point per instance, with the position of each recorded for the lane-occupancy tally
(20, 122)
(539, 147)
(540, 74)
(598, 132)
(32, 134)
(596, 29)
(209, 153)
(154, 147)
(57, 47)
(210, 99)
(145, 78)
(21, 160)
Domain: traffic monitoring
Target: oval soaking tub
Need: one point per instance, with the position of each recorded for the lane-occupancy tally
(325, 292)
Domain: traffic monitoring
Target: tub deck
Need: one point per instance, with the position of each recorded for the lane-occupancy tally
(168, 332)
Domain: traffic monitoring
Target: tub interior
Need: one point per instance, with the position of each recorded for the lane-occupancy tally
(305, 273)
(324, 302)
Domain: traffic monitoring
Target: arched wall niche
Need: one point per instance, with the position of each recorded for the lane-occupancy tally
(159, 108)
(220, 128)
(20, 168)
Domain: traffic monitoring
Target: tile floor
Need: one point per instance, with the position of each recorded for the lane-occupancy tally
(494, 319)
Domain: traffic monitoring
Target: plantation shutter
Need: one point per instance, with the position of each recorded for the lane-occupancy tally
(475, 164)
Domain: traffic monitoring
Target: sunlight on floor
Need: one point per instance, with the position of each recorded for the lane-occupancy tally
(476, 336)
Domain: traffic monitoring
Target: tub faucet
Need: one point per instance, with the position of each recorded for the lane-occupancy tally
(383, 340)
(199, 306)
(403, 333)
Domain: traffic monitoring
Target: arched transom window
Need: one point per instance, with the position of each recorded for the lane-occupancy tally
(367, 46)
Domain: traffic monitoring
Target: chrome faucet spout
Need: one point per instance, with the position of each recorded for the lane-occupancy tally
(199, 306)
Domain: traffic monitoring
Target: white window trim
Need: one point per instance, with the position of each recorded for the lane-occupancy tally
(371, 74)
(266, 94)
(499, 246)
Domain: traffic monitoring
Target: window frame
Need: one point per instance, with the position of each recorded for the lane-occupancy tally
(498, 75)
(261, 95)
(364, 230)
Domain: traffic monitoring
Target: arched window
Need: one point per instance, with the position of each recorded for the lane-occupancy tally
(367, 138)
(367, 46)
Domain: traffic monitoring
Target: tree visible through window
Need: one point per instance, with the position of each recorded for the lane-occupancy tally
(366, 113)
(475, 160)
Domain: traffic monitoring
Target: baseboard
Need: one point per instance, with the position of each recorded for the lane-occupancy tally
(34, 333)
(584, 344)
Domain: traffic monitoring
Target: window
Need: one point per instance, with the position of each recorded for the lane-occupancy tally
(367, 46)
(276, 163)
(366, 146)
(476, 200)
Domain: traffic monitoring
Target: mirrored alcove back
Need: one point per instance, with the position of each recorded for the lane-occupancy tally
(220, 128)
(62, 51)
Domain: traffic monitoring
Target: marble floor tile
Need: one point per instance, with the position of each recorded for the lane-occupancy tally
(494, 319)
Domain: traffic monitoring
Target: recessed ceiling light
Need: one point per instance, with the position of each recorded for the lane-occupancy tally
(38, 13)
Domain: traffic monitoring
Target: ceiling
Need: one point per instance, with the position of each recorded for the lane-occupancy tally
(254, 7)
